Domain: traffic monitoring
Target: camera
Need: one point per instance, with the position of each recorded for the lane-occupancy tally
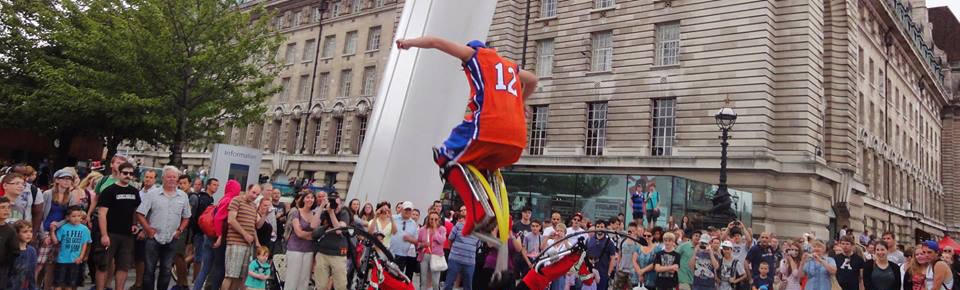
(333, 202)
(703, 246)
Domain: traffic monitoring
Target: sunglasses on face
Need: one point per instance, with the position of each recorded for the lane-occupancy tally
(126, 172)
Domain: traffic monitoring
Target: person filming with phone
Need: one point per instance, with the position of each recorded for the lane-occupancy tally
(331, 257)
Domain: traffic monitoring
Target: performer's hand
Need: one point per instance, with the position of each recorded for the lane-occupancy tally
(403, 44)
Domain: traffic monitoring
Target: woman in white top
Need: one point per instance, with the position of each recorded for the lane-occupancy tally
(560, 231)
(383, 223)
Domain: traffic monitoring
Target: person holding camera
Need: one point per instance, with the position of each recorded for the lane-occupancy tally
(704, 265)
(741, 237)
(331, 248)
(790, 266)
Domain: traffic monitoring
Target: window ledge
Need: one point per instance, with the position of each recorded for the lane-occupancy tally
(605, 72)
(372, 51)
(545, 19)
(546, 77)
(306, 61)
(326, 58)
(670, 66)
(349, 55)
(612, 7)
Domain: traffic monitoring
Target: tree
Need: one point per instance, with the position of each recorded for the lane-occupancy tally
(210, 62)
(162, 71)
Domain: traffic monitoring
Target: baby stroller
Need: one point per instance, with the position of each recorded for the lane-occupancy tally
(376, 267)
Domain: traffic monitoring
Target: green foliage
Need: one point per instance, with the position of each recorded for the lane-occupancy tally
(163, 71)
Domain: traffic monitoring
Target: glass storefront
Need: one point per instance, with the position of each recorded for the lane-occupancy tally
(602, 196)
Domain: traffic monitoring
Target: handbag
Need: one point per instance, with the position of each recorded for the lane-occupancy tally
(437, 262)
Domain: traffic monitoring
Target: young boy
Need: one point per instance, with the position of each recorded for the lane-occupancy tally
(590, 280)
(25, 267)
(533, 240)
(73, 238)
(763, 281)
(667, 263)
(259, 270)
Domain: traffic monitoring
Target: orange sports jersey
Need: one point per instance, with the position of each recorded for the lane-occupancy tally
(496, 102)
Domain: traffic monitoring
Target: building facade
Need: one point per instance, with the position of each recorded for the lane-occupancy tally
(839, 101)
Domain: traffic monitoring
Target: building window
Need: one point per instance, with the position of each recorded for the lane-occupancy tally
(329, 44)
(304, 87)
(664, 126)
(369, 80)
(548, 8)
(317, 138)
(297, 18)
(373, 38)
(323, 85)
(361, 132)
(279, 24)
(346, 78)
(317, 14)
(335, 9)
(309, 50)
(538, 129)
(596, 128)
(545, 57)
(350, 46)
(603, 51)
(291, 53)
(338, 135)
(284, 89)
(357, 5)
(330, 178)
(668, 43)
(275, 144)
(600, 4)
(377, 3)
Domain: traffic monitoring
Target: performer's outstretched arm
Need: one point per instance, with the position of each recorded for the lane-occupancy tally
(463, 52)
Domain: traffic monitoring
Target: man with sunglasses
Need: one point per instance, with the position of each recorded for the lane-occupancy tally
(118, 204)
(402, 242)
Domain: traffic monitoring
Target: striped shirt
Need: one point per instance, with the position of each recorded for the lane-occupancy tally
(246, 216)
(463, 249)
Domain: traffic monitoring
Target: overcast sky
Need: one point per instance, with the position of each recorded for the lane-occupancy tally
(953, 4)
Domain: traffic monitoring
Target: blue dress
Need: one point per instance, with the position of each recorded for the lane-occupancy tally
(818, 278)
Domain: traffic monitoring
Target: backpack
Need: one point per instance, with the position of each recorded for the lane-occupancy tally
(206, 221)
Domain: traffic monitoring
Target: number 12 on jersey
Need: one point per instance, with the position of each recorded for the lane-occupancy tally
(500, 79)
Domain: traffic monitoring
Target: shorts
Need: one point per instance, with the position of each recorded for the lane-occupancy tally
(180, 244)
(45, 253)
(67, 275)
(483, 155)
(236, 260)
(139, 250)
(120, 252)
(621, 280)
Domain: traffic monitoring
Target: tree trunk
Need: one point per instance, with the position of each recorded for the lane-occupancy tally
(63, 158)
(176, 148)
(112, 144)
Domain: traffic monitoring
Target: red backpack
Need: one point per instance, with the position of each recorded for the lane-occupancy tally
(206, 221)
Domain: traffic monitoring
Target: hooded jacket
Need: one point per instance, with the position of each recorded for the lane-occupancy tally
(231, 190)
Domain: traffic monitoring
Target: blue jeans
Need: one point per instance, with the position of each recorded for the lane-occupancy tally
(217, 273)
(203, 252)
(455, 268)
(162, 254)
(559, 283)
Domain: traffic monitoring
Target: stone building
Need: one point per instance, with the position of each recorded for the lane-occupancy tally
(946, 35)
(839, 102)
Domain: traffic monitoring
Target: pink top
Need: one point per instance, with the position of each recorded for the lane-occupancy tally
(449, 227)
(436, 237)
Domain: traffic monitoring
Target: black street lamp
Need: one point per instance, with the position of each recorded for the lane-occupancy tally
(726, 117)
